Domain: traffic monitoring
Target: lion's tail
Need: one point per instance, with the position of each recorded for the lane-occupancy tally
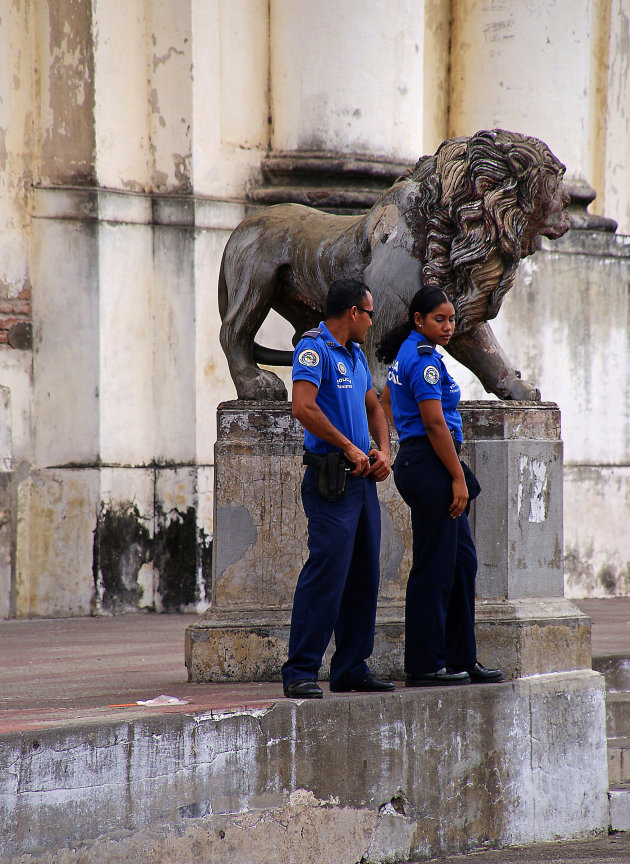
(222, 288)
(272, 356)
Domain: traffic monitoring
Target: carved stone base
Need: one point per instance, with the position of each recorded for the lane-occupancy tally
(521, 637)
(335, 182)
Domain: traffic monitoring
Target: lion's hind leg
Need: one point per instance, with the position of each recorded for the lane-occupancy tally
(245, 299)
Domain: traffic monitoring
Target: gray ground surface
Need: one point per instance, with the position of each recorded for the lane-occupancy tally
(605, 850)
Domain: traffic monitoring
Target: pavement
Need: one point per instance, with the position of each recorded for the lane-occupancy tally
(60, 672)
(613, 849)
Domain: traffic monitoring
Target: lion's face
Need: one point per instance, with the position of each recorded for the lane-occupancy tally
(554, 214)
(499, 191)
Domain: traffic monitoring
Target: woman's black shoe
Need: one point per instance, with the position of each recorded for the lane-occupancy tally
(437, 679)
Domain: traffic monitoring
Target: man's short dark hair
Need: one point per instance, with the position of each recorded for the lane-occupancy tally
(343, 294)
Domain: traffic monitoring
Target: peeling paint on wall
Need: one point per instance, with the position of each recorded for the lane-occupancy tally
(533, 476)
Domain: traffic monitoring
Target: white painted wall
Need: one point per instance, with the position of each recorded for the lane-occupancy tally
(524, 66)
(230, 103)
(614, 179)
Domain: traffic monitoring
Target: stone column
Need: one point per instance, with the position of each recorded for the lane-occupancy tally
(524, 623)
(549, 93)
(346, 105)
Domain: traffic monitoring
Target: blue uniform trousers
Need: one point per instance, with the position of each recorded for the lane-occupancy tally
(440, 600)
(338, 586)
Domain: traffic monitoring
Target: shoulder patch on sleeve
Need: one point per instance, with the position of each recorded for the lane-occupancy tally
(424, 348)
(431, 375)
(308, 357)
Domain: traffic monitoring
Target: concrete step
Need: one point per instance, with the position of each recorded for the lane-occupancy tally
(618, 760)
(618, 714)
(616, 670)
(619, 796)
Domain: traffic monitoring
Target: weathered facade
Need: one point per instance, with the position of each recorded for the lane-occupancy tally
(135, 137)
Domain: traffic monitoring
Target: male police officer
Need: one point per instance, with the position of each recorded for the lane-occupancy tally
(334, 400)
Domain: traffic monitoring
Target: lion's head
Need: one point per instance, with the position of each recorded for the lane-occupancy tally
(481, 202)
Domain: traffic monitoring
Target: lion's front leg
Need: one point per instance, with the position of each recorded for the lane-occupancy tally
(479, 351)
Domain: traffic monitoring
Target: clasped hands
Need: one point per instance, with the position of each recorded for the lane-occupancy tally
(375, 464)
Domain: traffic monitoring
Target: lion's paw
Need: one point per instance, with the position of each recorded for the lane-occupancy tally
(522, 391)
(260, 385)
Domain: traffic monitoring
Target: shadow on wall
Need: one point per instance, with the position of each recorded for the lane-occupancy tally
(169, 571)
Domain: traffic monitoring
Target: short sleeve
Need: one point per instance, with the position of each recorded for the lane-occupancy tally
(308, 360)
(425, 379)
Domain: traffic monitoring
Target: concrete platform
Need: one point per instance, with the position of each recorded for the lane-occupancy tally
(54, 671)
(71, 684)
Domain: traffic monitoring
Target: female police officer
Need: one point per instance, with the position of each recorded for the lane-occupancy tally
(420, 400)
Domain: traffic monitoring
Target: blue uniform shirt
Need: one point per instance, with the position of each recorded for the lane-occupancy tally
(414, 377)
(342, 379)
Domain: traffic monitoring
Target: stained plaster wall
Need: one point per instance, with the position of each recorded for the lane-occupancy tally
(129, 137)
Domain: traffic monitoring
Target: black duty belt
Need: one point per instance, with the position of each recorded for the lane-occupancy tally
(314, 460)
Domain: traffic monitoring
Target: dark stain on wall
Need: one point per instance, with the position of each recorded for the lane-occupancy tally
(205, 545)
(122, 544)
(180, 553)
(175, 557)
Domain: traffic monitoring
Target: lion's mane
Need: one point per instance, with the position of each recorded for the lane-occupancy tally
(478, 198)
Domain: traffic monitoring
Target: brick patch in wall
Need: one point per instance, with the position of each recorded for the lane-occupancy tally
(15, 320)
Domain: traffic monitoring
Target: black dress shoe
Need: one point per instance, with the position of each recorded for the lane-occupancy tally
(480, 675)
(369, 684)
(437, 679)
(306, 689)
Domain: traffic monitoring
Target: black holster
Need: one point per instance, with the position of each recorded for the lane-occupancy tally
(332, 473)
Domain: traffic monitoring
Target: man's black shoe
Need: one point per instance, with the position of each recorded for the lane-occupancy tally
(306, 689)
(480, 675)
(369, 684)
(437, 679)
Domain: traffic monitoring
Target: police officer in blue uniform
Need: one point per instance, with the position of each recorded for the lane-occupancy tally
(333, 398)
(420, 400)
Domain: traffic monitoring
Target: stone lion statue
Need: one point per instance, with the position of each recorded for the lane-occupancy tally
(462, 219)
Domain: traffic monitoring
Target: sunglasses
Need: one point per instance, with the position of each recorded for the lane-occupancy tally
(369, 312)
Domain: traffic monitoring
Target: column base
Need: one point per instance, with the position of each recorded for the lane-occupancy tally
(522, 637)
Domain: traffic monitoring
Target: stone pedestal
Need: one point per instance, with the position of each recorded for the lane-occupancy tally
(523, 621)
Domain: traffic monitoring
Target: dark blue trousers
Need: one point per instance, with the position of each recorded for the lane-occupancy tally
(440, 600)
(337, 590)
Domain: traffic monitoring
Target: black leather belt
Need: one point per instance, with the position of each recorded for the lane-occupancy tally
(314, 460)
